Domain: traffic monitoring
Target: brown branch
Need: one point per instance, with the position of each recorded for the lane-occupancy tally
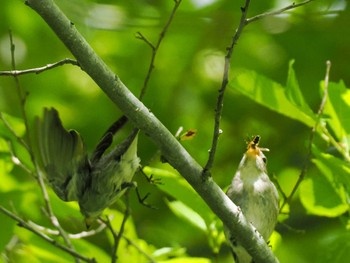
(40, 69)
(311, 138)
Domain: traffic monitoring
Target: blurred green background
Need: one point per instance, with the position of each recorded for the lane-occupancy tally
(183, 91)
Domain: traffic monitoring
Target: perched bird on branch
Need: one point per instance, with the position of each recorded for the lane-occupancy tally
(257, 197)
(95, 182)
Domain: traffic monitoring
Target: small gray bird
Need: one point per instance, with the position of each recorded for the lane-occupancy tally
(257, 197)
(95, 182)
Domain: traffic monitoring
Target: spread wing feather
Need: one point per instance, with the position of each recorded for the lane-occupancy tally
(62, 154)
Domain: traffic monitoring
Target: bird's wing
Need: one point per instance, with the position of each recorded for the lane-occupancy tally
(62, 154)
(107, 139)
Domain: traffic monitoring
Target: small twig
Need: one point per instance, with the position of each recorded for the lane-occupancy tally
(71, 236)
(292, 229)
(17, 161)
(156, 47)
(118, 236)
(22, 223)
(132, 243)
(220, 99)
(277, 12)
(40, 69)
(13, 132)
(278, 186)
(311, 139)
(140, 36)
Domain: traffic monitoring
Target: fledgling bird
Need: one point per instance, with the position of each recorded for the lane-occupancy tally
(95, 182)
(257, 197)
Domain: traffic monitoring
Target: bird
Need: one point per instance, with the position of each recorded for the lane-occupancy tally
(256, 196)
(95, 182)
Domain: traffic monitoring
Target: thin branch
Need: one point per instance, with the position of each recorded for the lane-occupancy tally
(40, 178)
(139, 249)
(156, 47)
(278, 186)
(311, 138)
(22, 223)
(40, 69)
(71, 236)
(277, 12)
(117, 236)
(220, 99)
(13, 132)
(17, 161)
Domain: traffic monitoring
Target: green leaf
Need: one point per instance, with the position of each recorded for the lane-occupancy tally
(187, 260)
(176, 186)
(319, 197)
(7, 227)
(169, 252)
(325, 195)
(334, 247)
(271, 95)
(335, 169)
(337, 108)
(293, 92)
(188, 214)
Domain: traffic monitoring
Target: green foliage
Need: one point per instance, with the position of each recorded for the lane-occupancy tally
(287, 100)
(288, 49)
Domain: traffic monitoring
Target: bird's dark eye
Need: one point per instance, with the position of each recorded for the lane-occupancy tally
(264, 159)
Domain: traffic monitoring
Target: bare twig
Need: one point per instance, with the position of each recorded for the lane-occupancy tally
(17, 161)
(13, 132)
(40, 69)
(276, 12)
(22, 96)
(311, 139)
(27, 226)
(156, 47)
(278, 186)
(117, 236)
(220, 99)
(71, 236)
